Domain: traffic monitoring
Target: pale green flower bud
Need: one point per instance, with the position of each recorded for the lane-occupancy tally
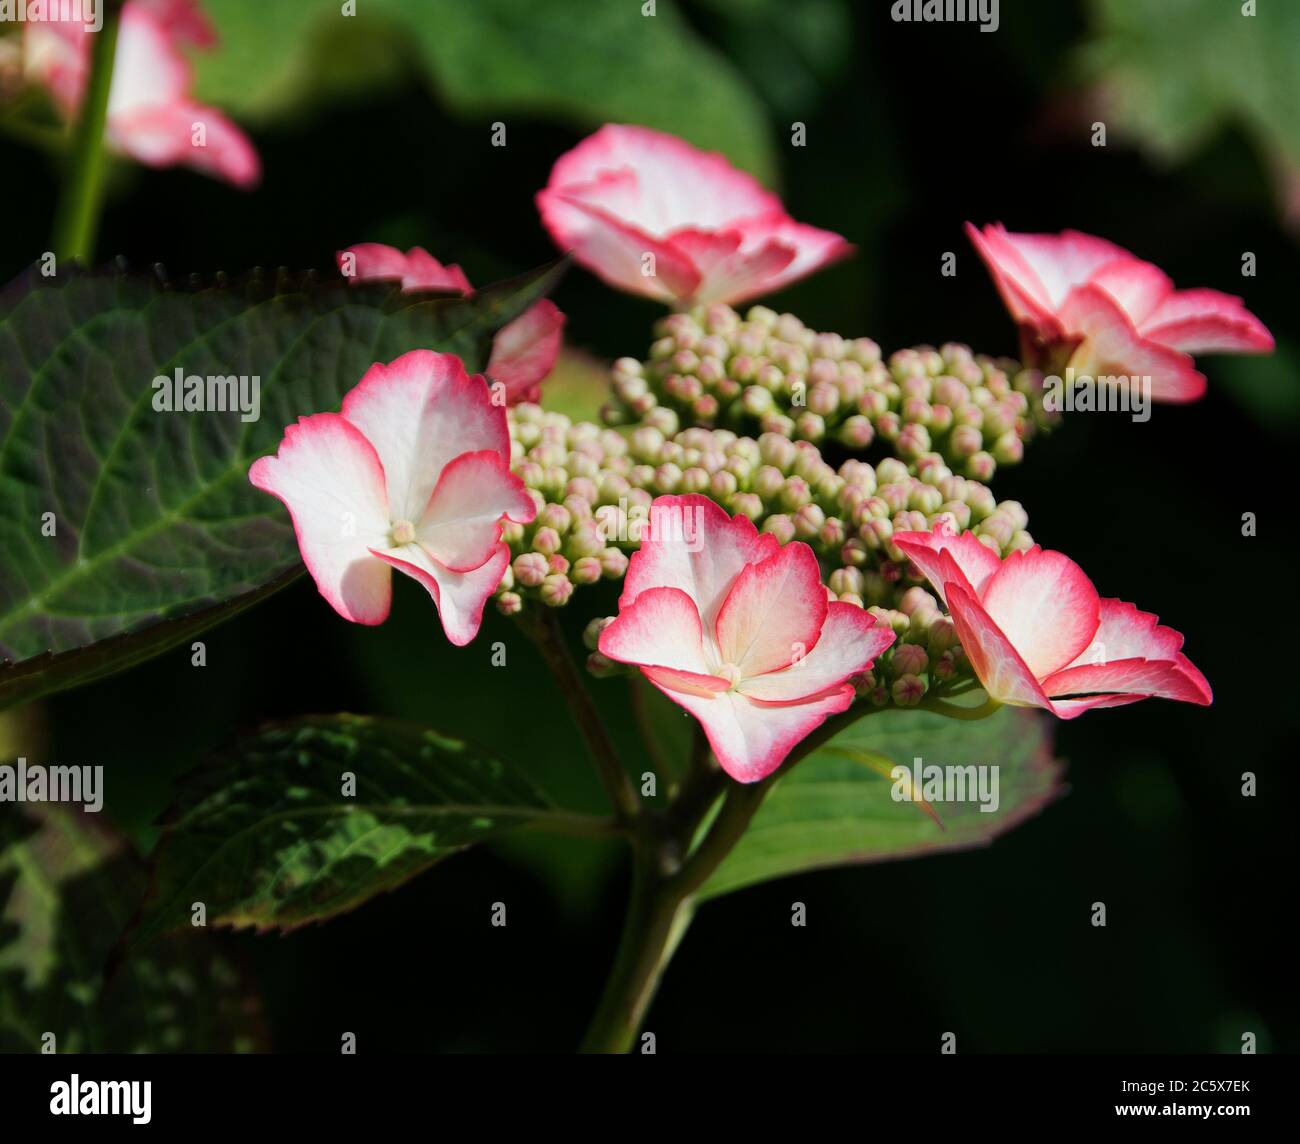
(613, 563)
(530, 569)
(510, 603)
(780, 526)
(908, 690)
(556, 590)
(546, 541)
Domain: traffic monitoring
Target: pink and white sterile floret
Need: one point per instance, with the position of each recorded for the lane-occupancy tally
(413, 474)
(738, 630)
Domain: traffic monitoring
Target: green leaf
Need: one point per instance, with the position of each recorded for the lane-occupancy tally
(269, 839)
(156, 532)
(66, 894)
(836, 808)
(581, 64)
(1180, 70)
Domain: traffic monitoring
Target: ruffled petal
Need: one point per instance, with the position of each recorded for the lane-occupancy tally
(461, 524)
(660, 628)
(974, 563)
(1205, 322)
(331, 481)
(1045, 606)
(774, 612)
(849, 642)
(459, 596)
(1001, 671)
(421, 411)
(524, 351)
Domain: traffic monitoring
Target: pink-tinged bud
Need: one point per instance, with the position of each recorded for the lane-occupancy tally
(924, 499)
(889, 425)
(810, 426)
(512, 533)
(908, 659)
(844, 580)
(641, 476)
(780, 526)
(695, 480)
(945, 667)
(756, 401)
(613, 563)
(853, 553)
(856, 432)
(1008, 449)
(998, 528)
(958, 515)
(913, 440)
(556, 590)
(823, 398)
(1020, 541)
(705, 408)
(667, 478)
(530, 569)
(942, 636)
(555, 517)
(940, 419)
(981, 466)
(585, 540)
(875, 533)
(908, 690)
(507, 580)
(832, 534)
(965, 441)
(546, 541)
(909, 521)
(915, 598)
(864, 351)
(777, 423)
(585, 570)
(510, 603)
(981, 500)
(579, 508)
(747, 504)
(722, 485)
(794, 494)
(808, 520)
(557, 563)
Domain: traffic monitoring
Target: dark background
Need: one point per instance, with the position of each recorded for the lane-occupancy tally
(917, 129)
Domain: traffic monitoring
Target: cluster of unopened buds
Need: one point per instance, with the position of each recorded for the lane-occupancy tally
(769, 373)
(770, 575)
(594, 487)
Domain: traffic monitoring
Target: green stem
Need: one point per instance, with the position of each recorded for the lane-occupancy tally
(954, 711)
(544, 630)
(79, 209)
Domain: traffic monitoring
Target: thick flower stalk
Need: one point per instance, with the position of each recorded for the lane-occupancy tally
(769, 373)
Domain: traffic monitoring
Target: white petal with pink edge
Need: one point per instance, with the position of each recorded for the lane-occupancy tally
(524, 351)
(975, 563)
(751, 739)
(1045, 606)
(773, 614)
(421, 411)
(660, 628)
(460, 596)
(329, 478)
(461, 524)
(691, 543)
(849, 642)
(998, 666)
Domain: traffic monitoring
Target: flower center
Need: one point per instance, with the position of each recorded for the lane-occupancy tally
(402, 532)
(731, 674)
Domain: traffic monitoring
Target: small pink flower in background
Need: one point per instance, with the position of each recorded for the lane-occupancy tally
(1085, 302)
(1038, 635)
(523, 352)
(413, 474)
(714, 233)
(151, 116)
(738, 630)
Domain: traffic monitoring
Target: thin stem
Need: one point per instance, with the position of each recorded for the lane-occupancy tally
(955, 711)
(79, 209)
(544, 630)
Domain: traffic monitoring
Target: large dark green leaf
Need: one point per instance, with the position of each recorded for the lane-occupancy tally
(836, 807)
(66, 893)
(269, 839)
(154, 519)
